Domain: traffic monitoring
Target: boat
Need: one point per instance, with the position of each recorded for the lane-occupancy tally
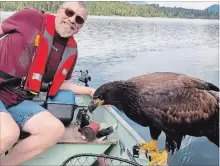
(120, 145)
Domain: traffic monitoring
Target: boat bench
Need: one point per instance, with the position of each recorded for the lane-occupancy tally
(72, 136)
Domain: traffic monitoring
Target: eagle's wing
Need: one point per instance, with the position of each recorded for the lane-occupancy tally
(174, 101)
(169, 80)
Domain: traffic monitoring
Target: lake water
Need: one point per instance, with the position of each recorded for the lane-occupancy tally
(113, 48)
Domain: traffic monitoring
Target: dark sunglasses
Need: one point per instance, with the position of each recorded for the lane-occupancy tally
(70, 13)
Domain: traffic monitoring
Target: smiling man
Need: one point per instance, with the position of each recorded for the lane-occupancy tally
(40, 47)
(70, 18)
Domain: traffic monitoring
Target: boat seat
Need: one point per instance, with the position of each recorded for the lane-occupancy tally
(72, 136)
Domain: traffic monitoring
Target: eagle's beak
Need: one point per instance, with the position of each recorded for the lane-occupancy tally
(94, 104)
(99, 102)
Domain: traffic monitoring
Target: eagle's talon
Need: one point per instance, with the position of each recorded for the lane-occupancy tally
(151, 146)
(158, 158)
(152, 155)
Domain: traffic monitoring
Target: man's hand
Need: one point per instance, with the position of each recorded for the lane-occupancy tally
(79, 90)
(92, 92)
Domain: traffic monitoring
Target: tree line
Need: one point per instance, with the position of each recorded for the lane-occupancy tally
(113, 8)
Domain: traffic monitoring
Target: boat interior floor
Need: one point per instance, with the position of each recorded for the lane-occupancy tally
(73, 136)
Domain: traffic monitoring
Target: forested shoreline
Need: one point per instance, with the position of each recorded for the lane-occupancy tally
(114, 8)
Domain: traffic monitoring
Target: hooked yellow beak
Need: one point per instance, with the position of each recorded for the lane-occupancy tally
(99, 102)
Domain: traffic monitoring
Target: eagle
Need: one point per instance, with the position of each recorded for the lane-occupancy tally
(174, 103)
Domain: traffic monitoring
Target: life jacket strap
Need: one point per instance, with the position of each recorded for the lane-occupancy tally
(10, 80)
(5, 75)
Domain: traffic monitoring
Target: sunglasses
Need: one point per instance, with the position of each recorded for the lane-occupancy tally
(70, 13)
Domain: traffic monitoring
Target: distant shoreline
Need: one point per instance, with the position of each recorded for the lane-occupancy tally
(120, 9)
(138, 17)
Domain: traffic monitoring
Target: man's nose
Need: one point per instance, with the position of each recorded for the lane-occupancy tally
(73, 19)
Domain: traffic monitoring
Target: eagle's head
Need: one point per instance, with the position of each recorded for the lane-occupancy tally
(115, 93)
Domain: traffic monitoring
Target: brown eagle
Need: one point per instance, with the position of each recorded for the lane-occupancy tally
(176, 104)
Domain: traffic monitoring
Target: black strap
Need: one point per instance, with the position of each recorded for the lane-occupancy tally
(5, 75)
(9, 80)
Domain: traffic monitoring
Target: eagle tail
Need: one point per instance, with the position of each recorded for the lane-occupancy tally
(213, 136)
(212, 87)
(214, 139)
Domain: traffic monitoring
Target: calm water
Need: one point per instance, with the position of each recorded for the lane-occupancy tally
(113, 48)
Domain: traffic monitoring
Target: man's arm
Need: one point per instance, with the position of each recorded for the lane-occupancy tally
(80, 90)
(1, 31)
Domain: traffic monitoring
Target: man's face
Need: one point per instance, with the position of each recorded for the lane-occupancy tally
(70, 19)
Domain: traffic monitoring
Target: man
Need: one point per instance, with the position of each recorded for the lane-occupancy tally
(27, 34)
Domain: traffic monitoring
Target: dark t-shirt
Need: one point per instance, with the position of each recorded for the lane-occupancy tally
(17, 50)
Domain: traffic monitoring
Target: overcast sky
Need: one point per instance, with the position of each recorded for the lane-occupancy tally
(191, 5)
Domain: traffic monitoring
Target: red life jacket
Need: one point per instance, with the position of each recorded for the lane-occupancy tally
(44, 42)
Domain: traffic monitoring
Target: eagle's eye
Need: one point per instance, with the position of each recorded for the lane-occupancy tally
(101, 96)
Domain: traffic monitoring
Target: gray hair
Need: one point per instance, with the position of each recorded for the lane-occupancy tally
(81, 3)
